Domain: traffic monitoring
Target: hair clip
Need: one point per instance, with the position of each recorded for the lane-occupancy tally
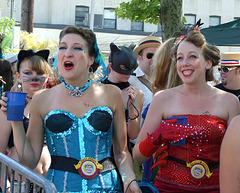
(1, 79)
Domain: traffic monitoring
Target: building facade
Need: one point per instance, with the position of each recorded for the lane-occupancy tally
(58, 13)
(78, 12)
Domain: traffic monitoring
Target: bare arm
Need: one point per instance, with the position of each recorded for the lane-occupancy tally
(5, 130)
(134, 124)
(152, 121)
(234, 107)
(122, 156)
(230, 159)
(28, 148)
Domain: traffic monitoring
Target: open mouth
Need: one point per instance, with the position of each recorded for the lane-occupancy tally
(68, 65)
(187, 73)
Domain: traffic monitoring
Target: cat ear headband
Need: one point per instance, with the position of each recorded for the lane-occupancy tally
(28, 53)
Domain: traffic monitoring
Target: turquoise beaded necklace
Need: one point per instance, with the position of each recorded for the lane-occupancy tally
(77, 91)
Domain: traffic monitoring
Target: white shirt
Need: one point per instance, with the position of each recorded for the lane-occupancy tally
(148, 95)
(133, 80)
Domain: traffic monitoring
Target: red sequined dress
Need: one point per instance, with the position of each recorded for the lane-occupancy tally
(193, 161)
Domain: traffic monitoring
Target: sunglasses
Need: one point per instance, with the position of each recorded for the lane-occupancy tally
(226, 69)
(149, 55)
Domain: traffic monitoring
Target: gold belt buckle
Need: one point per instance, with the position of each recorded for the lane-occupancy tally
(199, 169)
(88, 167)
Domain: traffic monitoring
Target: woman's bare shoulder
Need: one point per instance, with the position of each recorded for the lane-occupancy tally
(45, 96)
(167, 93)
(107, 89)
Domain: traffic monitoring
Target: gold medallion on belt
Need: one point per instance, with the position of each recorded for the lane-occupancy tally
(199, 169)
(88, 167)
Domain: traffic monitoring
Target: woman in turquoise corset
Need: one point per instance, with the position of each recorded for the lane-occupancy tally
(81, 120)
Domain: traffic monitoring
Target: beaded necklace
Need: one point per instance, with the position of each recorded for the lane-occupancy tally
(77, 91)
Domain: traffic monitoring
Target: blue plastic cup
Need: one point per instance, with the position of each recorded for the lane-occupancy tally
(16, 104)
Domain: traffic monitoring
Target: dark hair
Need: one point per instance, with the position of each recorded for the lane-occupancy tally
(88, 35)
(6, 73)
(210, 52)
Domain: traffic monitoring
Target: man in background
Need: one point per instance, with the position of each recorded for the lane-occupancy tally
(230, 73)
(144, 51)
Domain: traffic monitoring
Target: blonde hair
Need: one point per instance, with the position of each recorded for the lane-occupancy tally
(173, 77)
(38, 64)
(162, 63)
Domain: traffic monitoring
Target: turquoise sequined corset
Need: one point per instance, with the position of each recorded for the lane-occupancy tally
(88, 136)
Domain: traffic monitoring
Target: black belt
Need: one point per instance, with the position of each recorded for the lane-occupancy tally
(211, 165)
(67, 164)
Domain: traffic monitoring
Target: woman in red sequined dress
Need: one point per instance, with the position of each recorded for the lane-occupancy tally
(190, 120)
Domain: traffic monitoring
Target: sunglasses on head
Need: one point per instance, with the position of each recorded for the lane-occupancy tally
(226, 69)
(149, 55)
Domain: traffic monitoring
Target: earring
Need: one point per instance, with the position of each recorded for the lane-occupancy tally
(90, 74)
(19, 87)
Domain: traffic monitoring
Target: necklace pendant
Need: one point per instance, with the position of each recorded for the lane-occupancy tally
(76, 93)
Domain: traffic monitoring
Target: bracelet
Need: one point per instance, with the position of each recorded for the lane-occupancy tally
(130, 184)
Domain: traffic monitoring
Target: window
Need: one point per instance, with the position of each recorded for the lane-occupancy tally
(214, 20)
(109, 19)
(190, 18)
(137, 26)
(159, 26)
(81, 16)
(98, 21)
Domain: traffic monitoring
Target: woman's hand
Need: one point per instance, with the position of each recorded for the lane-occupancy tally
(132, 93)
(3, 103)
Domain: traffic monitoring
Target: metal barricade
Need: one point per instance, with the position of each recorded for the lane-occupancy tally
(40, 184)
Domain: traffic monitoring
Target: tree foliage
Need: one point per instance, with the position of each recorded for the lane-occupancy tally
(7, 24)
(139, 10)
(166, 12)
(6, 34)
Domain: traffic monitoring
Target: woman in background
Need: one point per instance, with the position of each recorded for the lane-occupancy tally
(6, 76)
(32, 73)
(122, 62)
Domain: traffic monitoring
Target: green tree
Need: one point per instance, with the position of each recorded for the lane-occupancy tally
(6, 34)
(166, 12)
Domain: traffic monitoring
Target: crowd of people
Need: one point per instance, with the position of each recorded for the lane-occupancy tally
(155, 109)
